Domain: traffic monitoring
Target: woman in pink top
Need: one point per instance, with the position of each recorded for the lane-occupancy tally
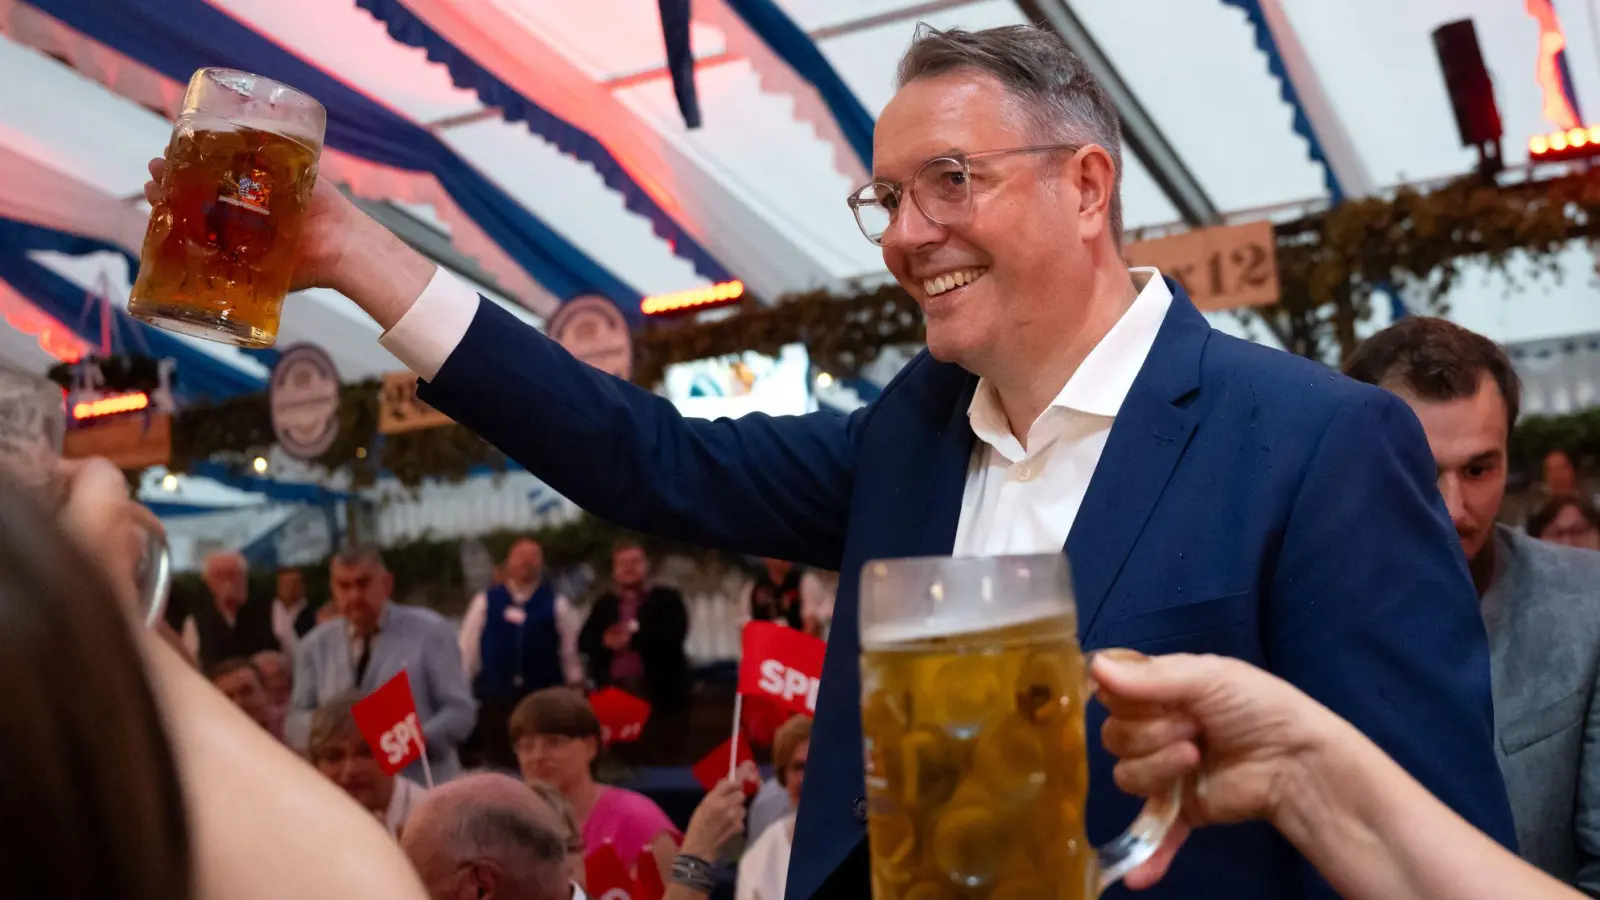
(557, 740)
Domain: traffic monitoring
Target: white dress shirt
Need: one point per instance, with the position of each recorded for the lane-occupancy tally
(1020, 497)
(407, 796)
(568, 625)
(283, 624)
(1023, 497)
(764, 868)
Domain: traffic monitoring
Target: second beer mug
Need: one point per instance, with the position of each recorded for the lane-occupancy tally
(220, 248)
(972, 704)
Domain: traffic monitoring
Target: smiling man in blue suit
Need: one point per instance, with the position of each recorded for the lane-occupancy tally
(1214, 496)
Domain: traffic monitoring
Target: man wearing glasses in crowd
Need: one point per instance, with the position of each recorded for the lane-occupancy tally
(1213, 496)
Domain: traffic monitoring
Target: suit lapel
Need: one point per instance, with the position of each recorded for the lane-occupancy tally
(1147, 439)
(1146, 442)
(949, 459)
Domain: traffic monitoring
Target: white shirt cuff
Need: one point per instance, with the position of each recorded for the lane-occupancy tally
(434, 325)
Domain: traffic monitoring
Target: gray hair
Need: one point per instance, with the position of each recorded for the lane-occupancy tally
(493, 819)
(218, 557)
(1056, 92)
(563, 810)
(360, 555)
(497, 831)
(334, 721)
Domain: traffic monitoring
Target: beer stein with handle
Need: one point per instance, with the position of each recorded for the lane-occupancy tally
(219, 252)
(973, 690)
(32, 434)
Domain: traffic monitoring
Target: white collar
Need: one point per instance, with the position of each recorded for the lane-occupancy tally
(1105, 376)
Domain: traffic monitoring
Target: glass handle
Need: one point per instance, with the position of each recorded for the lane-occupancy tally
(1129, 850)
(155, 582)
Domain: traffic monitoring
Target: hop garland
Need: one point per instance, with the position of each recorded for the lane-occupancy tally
(1329, 264)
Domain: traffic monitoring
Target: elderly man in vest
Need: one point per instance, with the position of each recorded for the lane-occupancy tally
(517, 637)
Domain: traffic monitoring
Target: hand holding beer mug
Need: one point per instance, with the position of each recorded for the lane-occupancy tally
(219, 253)
(972, 702)
(89, 496)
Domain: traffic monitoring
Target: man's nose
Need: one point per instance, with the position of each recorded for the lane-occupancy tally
(911, 228)
(1450, 489)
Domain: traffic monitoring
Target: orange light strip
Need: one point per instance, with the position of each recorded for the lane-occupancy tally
(110, 406)
(715, 294)
(1561, 141)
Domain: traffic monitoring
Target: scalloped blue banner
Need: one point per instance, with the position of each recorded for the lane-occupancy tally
(200, 374)
(404, 26)
(1268, 45)
(176, 37)
(795, 47)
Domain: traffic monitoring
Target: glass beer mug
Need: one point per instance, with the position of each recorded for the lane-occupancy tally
(32, 435)
(972, 705)
(220, 248)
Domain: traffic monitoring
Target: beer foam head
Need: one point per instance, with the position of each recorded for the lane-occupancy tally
(967, 619)
(299, 132)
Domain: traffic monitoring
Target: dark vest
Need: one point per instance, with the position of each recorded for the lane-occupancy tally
(251, 632)
(771, 601)
(518, 658)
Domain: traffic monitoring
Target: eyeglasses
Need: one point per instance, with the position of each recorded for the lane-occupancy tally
(941, 188)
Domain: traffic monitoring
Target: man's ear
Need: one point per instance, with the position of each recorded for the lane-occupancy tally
(484, 876)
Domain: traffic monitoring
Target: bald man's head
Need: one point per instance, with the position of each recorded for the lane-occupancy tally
(487, 836)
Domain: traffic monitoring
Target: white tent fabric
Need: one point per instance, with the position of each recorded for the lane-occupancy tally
(761, 184)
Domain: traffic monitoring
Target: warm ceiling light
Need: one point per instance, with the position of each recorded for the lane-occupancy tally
(110, 406)
(696, 298)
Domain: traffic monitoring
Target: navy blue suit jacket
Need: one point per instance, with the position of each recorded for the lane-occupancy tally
(1248, 503)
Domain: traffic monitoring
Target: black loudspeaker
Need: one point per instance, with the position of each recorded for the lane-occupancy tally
(1471, 91)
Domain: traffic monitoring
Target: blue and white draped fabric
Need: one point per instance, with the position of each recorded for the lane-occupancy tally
(785, 39)
(1303, 126)
(666, 174)
(201, 374)
(175, 37)
(466, 71)
(788, 62)
(680, 58)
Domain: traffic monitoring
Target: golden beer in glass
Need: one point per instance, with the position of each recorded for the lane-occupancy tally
(220, 248)
(972, 704)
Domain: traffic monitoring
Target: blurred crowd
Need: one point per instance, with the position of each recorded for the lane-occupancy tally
(506, 690)
(519, 804)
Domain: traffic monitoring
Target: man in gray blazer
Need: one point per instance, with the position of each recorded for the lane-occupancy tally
(368, 644)
(1540, 602)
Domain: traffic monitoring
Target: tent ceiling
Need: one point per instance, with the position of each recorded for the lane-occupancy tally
(761, 185)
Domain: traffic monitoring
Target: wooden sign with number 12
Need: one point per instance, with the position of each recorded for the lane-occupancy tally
(1221, 268)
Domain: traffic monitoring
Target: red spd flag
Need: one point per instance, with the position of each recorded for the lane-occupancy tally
(714, 767)
(606, 878)
(760, 718)
(649, 886)
(782, 665)
(621, 714)
(387, 718)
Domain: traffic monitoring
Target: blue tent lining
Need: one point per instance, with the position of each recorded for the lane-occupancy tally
(405, 27)
(176, 37)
